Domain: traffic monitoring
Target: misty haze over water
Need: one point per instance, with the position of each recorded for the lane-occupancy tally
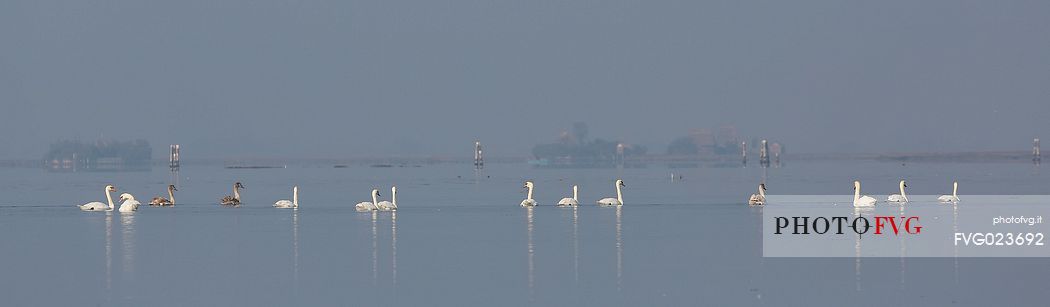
(237, 79)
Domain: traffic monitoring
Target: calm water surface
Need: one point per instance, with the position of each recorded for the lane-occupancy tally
(460, 238)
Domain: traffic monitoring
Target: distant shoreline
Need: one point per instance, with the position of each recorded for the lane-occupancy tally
(726, 160)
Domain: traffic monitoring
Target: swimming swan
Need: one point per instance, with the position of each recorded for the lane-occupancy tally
(951, 198)
(389, 205)
(98, 206)
(235, 199)
(129, 204)
(899, 198)
(760, 198)
(528, 201)
(861, 201)
(285, 204)
(368, 206)
(161, 201)
(618, 201)
(570, 201)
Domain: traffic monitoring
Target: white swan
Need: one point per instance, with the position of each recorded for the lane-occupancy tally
(368, 206)
(899, 198)
(618, 201)
(389, 205)
(861, 201)
(570, 201)
(951, 198)
(528, 201)
(98, 206)
(760, 198)
(161, 201)
(129, 204)
(285, 204)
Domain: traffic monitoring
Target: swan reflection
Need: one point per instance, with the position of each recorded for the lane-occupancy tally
(127, 232)
(531, 252)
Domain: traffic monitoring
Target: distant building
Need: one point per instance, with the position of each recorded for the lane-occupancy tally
(72, 156)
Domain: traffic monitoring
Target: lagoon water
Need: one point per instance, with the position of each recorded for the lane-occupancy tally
(460, 238)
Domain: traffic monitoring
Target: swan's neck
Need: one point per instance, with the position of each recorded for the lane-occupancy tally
(393, 198)
(955, 190)
(762, 192)
(109, 199)
(375, 198)
(236, 194)
(530, 192)
(856, 193)
(574, 194)
(902, 192)
(619, 195)
(295, 197)
(171, 196)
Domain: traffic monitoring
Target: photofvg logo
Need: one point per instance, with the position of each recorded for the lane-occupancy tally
(840, 225)
(977, 226)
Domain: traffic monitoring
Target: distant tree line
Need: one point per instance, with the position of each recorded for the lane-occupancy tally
(130, 152)
(576, 146)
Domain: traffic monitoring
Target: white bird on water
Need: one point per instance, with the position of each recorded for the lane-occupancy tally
(368, 206)
(899, 198)
(861, 201)
(129, 204)
(570, 201)
(760, 198)
(528, 201)
(285, 204)
(951, 198)
(389, 205)
(99, 206)
(618, 201)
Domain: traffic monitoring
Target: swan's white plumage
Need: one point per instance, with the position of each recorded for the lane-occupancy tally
(861, 201)
(758, 199)
(129, 204)
(899, 198)
(570, 201)
(389, 205)
(366, 206)
(289, 204)
(528, 201)
(94, 206)
(100, 206)
(951, 198)
(609, 201)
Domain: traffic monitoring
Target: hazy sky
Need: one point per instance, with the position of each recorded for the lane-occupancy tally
(231, 79)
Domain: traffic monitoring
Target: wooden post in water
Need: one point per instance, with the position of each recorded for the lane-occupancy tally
(479, 162)
(173, 157)
(743, 152)
(763, 154)
(1036, 156)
